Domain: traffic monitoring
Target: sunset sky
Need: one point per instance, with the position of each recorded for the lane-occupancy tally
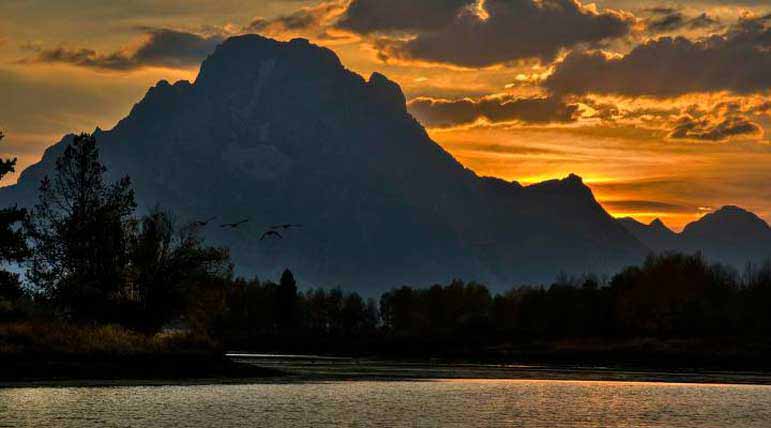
(663, 107)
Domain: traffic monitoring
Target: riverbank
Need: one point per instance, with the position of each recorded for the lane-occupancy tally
(53, 355)
(310, 368)
(46, 352)
(264, 369)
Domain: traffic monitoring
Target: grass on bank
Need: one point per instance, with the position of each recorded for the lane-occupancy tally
(44, 338)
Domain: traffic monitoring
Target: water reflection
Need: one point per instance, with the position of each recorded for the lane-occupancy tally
(457, 403)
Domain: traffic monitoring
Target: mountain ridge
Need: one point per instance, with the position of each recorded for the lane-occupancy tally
(730, 235)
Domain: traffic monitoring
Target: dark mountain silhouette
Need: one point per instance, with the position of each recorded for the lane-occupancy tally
(729, 235)
(282, 132)
(656, 235)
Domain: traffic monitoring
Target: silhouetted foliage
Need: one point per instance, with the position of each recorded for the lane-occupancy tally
(286, 300)
(173, 273)
(80, 232)
(670, 296)
(95, 262)
(13, 246)
(276, 316)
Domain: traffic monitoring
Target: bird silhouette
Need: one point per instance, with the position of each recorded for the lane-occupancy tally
(234, 225)
(203, 223)
(286, 226)
(269, 234)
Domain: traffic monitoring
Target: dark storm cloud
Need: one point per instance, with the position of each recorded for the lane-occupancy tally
(704, 129)
(669, 22)
(738, 60)
(370, 16)
(489, 32)
(162, 47)
(442, 113)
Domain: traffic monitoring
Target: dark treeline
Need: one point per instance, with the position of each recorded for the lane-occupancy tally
(671, 296)
(90, 260)
(270, 316)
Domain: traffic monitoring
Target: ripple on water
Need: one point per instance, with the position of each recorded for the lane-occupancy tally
(456, 403)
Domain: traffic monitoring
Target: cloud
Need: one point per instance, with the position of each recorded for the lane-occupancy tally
(486, 32)
(678, 21)
(444, 113)
(720, 117)
(159, 48)
(306, 18)
(738, 60)
(668, 19)
(371, 16)
(631, 205)
(725, 129)
(660, 10)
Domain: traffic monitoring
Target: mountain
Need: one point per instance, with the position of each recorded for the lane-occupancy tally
(656, 235)
(730, 235)
(281, 132)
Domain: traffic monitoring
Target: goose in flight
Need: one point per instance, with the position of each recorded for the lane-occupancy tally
(203, 223)
(270, 234)
(234, 225)
(286, 226)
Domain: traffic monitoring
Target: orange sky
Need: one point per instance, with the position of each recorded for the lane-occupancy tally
(521, 103)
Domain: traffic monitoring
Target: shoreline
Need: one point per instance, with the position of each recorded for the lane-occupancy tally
(299, 371)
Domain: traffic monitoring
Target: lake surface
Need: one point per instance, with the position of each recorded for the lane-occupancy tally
(451, 403)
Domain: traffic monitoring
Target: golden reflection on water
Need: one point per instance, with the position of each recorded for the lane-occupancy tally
(451, 403)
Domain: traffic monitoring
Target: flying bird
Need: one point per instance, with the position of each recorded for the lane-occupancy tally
(203, 223)
(286, 226)
(269, 234)
(234, 225)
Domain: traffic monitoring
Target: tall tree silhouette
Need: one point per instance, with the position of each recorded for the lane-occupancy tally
(287, 299)
(13, 246)
(80, 231)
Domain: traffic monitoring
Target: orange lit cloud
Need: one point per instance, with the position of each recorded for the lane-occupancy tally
(159, 48)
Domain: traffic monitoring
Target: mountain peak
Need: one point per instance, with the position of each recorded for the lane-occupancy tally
(658, 224)
(732, 214)
(244, 58)
(732, 210)
(386, 91)
(729, 223)
(574, 178)
(629, 221)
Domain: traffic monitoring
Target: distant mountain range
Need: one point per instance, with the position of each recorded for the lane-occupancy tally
(730, 235)
(281, 132)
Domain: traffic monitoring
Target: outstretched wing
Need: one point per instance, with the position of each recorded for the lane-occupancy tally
(271, 233)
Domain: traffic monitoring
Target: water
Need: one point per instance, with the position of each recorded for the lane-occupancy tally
(456, 403)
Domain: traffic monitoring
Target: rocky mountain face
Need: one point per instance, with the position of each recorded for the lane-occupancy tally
(282, 133)
(730, 235)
